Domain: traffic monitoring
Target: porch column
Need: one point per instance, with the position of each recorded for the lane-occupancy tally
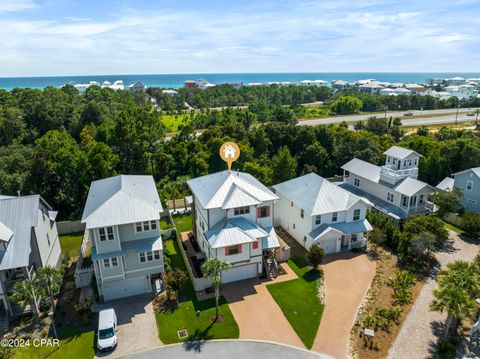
(408, 204)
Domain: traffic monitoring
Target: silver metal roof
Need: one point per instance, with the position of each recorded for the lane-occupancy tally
(5, 233)
(316, 195)
(363, 169)
(271, 241)
(344, 227)
(234, 231)
(399, 152)
(229, 189)
(410, 186)
(20, 215)
(144, 245)
(446, 184)
(120, 200)
(475, 170)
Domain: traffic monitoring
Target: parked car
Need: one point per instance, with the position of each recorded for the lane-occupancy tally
(470, 114)
(107, 330)
(408, 114)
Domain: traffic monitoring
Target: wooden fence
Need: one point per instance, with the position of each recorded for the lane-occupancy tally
(68, 227)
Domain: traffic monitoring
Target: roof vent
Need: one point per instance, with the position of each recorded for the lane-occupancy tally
(18, 194)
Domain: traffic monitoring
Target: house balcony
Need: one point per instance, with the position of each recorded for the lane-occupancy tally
(397, 174)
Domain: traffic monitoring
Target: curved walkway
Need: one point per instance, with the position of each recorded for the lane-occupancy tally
(347, 277)
(231, 349)
(418, 335)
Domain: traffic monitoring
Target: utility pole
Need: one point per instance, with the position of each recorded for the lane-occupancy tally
(456, 116)
(386, 109)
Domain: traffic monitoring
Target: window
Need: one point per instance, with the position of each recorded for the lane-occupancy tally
(145, 226)
(415, 161)
(149, 256)
(294, 226)
(318, 219)
(291, 204)
(232, 250)
(469, 185)
(110, 262)
(405, 163)
(410, 162)
(356, 182)
(302, 213)
(241, 210)
(263, 212)
(255, 245)
(394, 160)
(106, 234)
(356, 215)
(353, 238)
(334, 216)
(388, 159)
(422, 199)
(404, 201)
(413, 201)
(390, 197)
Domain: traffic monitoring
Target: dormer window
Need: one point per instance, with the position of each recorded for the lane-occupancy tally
(388, 159)
(415, 162)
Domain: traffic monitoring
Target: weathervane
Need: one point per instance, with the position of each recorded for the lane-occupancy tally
(229, 152)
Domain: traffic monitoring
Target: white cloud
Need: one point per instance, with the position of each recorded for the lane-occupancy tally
(16, 5)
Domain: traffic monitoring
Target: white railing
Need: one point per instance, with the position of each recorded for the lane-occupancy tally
(394, 173)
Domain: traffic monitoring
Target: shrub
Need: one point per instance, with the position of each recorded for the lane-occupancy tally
(401, 282)
(471, 224)
(84, 310)
(315, 255)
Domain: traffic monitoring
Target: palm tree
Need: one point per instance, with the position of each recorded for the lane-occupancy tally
(50, 279)
(457, 303)
(212, 269)
(25, 292)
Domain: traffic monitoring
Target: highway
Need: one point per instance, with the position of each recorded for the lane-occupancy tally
(430, 118)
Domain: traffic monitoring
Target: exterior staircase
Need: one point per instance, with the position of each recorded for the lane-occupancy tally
(271, 267)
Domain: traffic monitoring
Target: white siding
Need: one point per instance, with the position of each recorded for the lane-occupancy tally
(50, 253)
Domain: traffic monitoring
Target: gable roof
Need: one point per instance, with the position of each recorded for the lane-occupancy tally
(234, 231)
(316, 195)
(400, 152)
(341, 227)
(475, 170)
(5, 233)
(229, 189)
(364, 169)
(19, 215)
(120, 200)
(446, 184)
(409, 186)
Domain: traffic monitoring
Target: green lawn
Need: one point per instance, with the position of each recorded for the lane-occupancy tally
(70, 244)
(183, 222)
(164, 224)
(73, 344)
(453, 228)
(298, 300)
(172, 122)
(185, 315)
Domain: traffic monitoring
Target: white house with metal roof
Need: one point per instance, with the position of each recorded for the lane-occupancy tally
(314, 210)
(232, 216)
(468, 182)
(28, 241)
(392, 188)
(122, 216)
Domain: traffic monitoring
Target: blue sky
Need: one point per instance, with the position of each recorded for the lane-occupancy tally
(66, 37)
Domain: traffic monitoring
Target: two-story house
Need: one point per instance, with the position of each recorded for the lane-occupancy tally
(392, 188)
(468, 182)
(232, 216)
(28, 241)
(314, 210)
(122, 214)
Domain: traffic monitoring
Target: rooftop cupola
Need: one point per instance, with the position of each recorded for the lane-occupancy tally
(399, 164)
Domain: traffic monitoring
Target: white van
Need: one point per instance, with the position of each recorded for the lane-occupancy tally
(107, 330)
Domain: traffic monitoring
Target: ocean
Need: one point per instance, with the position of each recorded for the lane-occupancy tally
(177, 80)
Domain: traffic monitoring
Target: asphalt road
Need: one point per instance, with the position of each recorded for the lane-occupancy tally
(228, 349)
(406, 120)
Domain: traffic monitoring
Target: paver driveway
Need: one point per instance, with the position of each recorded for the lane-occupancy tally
(257, 314)
(137, 328)
(419, 332)
(347, 278)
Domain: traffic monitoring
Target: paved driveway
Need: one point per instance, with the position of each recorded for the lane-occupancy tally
(231, 349)
(137, 328)
(420, 330)
(257, 314)
(347, 279)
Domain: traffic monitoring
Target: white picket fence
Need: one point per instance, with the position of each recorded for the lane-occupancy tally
(83, 276)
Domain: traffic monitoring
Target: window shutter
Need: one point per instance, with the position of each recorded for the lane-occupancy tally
(226, 251)
(259, 212)
(255, 245)
(268, 211)
(239, 249)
